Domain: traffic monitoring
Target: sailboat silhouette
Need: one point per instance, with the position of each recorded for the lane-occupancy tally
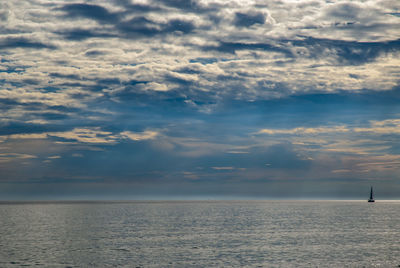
(371, 196)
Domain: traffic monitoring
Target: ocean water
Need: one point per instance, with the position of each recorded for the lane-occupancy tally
(200, 234)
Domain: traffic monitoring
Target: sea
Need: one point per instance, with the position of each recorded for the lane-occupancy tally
(200, 234)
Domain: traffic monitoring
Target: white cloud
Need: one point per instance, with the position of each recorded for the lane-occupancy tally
(249, 74)
(7, 157)
(343, 139)
(89, 135)
(389, 126)
(223, 168)
(138, 136)
(28, 136)
(84, 135)
(304, 131)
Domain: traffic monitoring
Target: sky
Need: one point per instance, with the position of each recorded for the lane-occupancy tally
(199, 99)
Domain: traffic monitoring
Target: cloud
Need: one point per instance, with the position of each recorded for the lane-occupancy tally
(348, 11)
(304, 131)
(389, 126)
(348, 52)
(223, 168)
(145, 135)
(22, 42)
(78, 34)
(138, 7)
(140, 27)
(5, 157)
(90, 135)
(84, 135)
(229, 47)
(28, 136)
(342, 139)
(283, 90)
(248, 19)
(136, 27)
(95, 12)
(248, 61)
(188, 5)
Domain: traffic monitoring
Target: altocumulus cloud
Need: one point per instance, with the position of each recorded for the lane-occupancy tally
(200, 97)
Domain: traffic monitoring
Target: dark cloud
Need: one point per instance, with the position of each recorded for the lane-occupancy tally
(34, 106)
(137, 27)
(78, 34)
(109, 81)
(51, 116)
(7, 103)
(94, 12)
(188, 5)
(204, 60)
(30, 81)
(348, 11)
(177, 25)
(95, 53)
(26, 128)
(136, 8)
(189, 70)
(232, 47)
(397, 14)
(179, 81)
(66, 109)
(13, 69)
(23, 42)
(144, 27)
(348, 52)
(248, 19)
(4, 15)
(67, 76)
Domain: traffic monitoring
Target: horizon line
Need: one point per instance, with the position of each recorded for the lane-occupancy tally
(8, 201)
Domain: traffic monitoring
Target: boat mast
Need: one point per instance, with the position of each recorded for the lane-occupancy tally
(371, 195)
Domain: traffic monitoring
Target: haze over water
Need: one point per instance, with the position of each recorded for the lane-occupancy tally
(200, 234)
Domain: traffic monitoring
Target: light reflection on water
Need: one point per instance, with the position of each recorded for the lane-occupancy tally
(200, 234)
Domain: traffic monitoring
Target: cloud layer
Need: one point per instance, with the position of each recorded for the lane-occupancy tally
(206, 92)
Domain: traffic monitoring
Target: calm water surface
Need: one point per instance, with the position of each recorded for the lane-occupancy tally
(201, 234)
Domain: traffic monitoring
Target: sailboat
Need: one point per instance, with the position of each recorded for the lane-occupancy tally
(371, 196)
